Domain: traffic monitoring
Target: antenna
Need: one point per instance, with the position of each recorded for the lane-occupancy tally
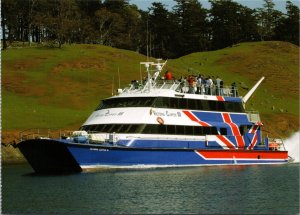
(112, 86)
(141, 73)
(119, 77)
(147, 65)
(147, 40)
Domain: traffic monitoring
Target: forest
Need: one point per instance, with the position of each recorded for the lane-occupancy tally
(188, 27)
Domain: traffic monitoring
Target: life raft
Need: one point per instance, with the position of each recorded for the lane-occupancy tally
(274, 146)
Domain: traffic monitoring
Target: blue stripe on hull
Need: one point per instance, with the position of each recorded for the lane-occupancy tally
(98, 156)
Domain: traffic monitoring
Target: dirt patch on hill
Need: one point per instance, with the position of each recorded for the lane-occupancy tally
(280, 125)
(17, 83)
(83, 63)
(260, 62)
(21, 65)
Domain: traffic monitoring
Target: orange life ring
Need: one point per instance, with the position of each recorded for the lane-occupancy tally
(160, 120)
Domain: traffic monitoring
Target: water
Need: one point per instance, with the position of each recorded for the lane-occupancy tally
(264, 189)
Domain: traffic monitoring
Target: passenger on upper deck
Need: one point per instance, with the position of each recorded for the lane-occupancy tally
(208, 86)
(168, 75)
(234, 91)
(218, 85)
(198, 84)
(192, 84)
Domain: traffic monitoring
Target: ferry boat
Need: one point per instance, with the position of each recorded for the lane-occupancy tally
(158, 123)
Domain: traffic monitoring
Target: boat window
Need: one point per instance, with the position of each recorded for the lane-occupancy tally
(126, 102)
(176, 103)
(148, 102)
(221, 106)
(243, 129)
(193, 104)
(110, 128)
(189, 130)
(234, 107)
(212, 105)
(182, 103)
(162, 102)
(213, 130)
(154, 129)
(162, 129)
(206, 130)
(120, 128)
(180, 129)
(103, 128)
(205, 105)
(198, 130)
(223, 131)
(100, 106)
(92, 127)
(171, 129)
(132, 128)
(173, 103)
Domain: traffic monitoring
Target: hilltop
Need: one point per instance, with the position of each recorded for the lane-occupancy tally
(59, 88)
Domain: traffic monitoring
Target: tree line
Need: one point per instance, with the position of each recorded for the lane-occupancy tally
(158, 32)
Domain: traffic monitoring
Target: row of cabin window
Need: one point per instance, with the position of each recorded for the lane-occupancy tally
(176, 103)
(154, 129)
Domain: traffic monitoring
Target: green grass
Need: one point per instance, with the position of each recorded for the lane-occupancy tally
(59, 88)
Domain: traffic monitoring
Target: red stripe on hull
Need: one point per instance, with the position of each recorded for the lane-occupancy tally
(226, 118)
(253, 142)
(193, 118)
(237, 154)
(253, 129)
(220, 98)
(240, 141)
(226, 141)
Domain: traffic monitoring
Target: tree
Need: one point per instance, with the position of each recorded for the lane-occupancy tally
(224, 23)
(59, 20)
(133, 21)
(159, 30)
(287, 28)
(7, 19)
(231, 23)
(105, 20)
(192, 23)
(268, 18)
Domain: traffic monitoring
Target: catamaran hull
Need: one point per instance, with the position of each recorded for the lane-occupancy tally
(48, 156)
(60, 156)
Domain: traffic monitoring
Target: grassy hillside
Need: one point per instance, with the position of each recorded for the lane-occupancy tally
(59, 88)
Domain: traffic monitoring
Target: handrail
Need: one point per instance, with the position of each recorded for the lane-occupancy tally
(178, 86)
(35, 133)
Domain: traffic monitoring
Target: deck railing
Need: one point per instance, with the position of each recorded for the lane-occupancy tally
(182, 87)
(37, 133)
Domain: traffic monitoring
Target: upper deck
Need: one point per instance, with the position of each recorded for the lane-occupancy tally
(180, 87)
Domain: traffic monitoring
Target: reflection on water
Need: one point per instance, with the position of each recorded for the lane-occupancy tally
(271, 189)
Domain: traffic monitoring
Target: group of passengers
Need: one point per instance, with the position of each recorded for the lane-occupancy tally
(203, 85)
(199, 84)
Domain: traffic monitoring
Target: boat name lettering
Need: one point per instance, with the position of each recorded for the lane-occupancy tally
(96, 149)
(167, 113)
(108, 113)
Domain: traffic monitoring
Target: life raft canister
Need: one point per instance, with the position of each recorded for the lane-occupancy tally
(274, 146)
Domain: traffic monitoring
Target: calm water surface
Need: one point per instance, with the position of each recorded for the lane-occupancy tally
(199, 190)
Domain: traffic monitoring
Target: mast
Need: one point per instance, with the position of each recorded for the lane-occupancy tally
(152, 78)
